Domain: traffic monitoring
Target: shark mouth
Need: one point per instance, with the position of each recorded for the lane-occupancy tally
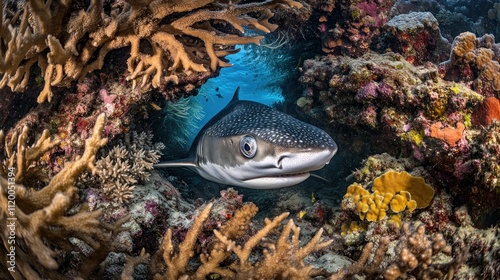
(273, 181)
(289, 175)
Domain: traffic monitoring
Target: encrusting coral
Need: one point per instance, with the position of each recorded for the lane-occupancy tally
(166, 38)
(282, 259)
(45, 222)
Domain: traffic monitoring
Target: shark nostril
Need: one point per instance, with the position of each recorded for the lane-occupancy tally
(279, 164)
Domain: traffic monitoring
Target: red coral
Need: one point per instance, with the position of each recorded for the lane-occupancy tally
(486, 112)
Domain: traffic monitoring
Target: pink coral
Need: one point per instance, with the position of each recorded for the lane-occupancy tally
(106, 97)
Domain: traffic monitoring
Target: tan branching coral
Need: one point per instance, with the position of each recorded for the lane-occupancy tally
(124, 166)
(181, 37)
(282, 259)
(43, 219)
(416, 257)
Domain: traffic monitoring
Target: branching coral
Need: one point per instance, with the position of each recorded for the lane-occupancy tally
(125, 166)
(166, 38)
(415, 256)
(283, 258)
(44, 220)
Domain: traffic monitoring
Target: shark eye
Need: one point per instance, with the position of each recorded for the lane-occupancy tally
(248, 146)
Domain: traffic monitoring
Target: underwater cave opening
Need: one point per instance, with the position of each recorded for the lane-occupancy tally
(256, 79)
(262, 75)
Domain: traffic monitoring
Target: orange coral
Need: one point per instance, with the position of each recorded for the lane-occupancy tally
(448, 134)
(486, 112)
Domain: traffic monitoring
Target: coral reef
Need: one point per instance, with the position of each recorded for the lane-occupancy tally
(67, 50)
(416, 110)
(419, 113)
(44, 225)
(281, 259)
(486, 112)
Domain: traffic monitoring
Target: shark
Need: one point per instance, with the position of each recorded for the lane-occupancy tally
(251, 145)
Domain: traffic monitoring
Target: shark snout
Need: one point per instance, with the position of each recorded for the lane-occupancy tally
(304, 161)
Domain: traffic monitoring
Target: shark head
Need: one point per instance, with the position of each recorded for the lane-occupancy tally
(251, 145)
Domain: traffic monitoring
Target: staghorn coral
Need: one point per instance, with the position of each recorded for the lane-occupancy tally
(48, 228)
(125, 166)
(282, 258)
(166, 38)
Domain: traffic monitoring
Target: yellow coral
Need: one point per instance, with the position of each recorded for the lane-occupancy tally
(394, 182)
(415, 136)
(397, 191)
(402, 201)
(455, 89)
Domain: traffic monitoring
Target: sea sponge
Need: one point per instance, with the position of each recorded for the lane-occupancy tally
(449, 135)
(487, 111)
(395, 182)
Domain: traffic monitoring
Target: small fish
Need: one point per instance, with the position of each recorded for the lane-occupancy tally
(302, 213)
(217, 89)
(251, 145)
(219, 95)
(313, 199)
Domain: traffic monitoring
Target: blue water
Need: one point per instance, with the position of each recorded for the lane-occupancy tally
(255, 79)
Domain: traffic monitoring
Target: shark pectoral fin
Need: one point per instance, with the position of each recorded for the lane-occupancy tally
(185, 162)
